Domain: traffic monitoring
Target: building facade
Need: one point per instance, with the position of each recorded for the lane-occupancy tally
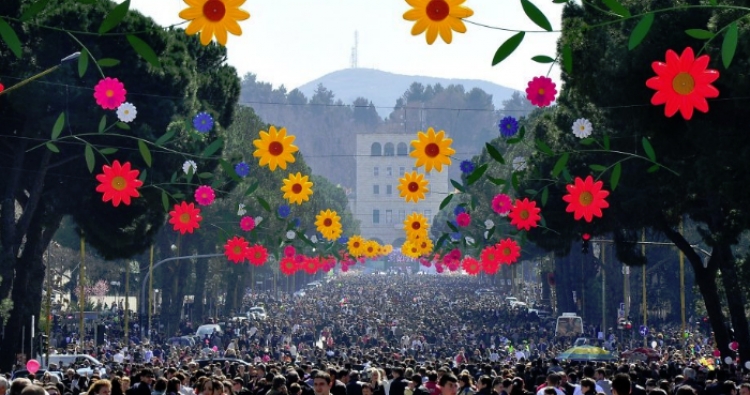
(381, 160)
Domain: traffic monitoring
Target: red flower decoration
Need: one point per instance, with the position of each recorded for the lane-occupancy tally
(257, 255)
(288, 266)
(185, 217)
(525, 214)
(310, 265)
(508, 251)
(289, 251)
(247, 223)
(463, 219)
(490, 260)
(118, 183)
(586, 199)
(236, 249)
(109, 93)
(471, 265)
(541, 91)
(683, 83)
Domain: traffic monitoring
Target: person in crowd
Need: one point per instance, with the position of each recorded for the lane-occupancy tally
(100, 387)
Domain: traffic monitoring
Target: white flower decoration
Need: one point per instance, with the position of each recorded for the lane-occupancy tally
(469, 240)
(314, 239)
(489, 224)
(189, 164)
(290, 235)
(126, 112)
(258, 220)
(486, 234)
(519, 163)
(241, 210)
(582, 128)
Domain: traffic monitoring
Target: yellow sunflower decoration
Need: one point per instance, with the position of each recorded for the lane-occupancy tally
(414, 225)
(372, 248)
(432, 150)
(275, 148)
(387, 249)
(410, 249)
(356, 246)
(424, 246)
(417, 236)
(214, 18)
(437, 16)
(329, 224)
(297, 188)
(412, 187)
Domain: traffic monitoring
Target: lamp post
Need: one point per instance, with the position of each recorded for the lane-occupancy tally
(70, 58)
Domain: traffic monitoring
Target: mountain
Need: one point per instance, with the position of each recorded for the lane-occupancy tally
(384, 88)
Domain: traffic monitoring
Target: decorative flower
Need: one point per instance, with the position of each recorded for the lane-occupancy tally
(463, 220)
(247, 224)
(118, 183)
(236, 249)
(288, 266)
(328, 224)
(424, 247)
(582, 128)
(109, 93)
(289, 251)
(343, 240)
(275, 148)
(519, 163)
(417, 235)
(310, 265)
(455, 236)
(371, 248)
(126, 112)
(490, 260)
(467, 166)
(508, 126)
(459, 210)
(432, 150)
(290, 234)
(241, 209)
(283, 211)
(189, 165)
(471, 266)
(437, 16)
(508, 251)
(356, 246)
(501, 204)
(525, 214)
(214, 18)
(257, 255)
(185, 217)
(683, 83)
(541, 91)
(203, 122)
(204, 195)
(489, 224)
(297, 188)
(415, 223)
(412, 187)
(242, 169)
(410, 249)
(586, 199)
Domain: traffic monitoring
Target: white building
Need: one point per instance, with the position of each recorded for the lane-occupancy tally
(381, 160)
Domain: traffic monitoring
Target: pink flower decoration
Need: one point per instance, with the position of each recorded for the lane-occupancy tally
(541, 91)
(439, 268)
(204, 195)
(109, 93)
(344, 267)
(289, 251)
(247, 223)
(502, 204)
(463, 220)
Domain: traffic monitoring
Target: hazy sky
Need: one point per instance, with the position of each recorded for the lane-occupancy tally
(292, 42)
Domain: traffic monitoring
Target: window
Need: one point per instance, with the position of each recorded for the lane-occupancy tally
(388, 149)
(401, 149)
(389, 190)
(389, 171)
(401, 215)
(388, 216)
(428, 215)
(375, 216)
(401, 171)
(376, 189)
(376, 171)
(375, 149)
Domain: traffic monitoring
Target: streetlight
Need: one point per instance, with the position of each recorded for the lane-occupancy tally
(63, 61)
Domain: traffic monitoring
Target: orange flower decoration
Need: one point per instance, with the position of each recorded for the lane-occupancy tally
(490, 260)
(118, 183)
(236, 249)
(683, 83)
(525, 214)
(288, 266)
(508, 251)
(586, 199)
(471, 265)
(185, 217)
(257, 255)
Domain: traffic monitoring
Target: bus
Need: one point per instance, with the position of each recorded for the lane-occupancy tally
(569, 324)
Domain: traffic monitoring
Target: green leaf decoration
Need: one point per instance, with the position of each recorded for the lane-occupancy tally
(450, 225)
(10, 37)
(653, 169)
(700, 34)
(543, 59)
(263, 203)
(587, 141)
(144, 50)
(559, 1)
(648, 149)
(560, 164)
(439, 243)
(545, 196)
(729, 45)
(229, 170)
(88, 153)
(108, 151)
(641, 31)
(476, 174)
(114, 17)
(446, 201)
(567, 58)
(614, 179)
(514, 140)
(252, 188)
(190, 174)
(165, 200)
(458, 185)
(59, 124)
(507, 48)
(213, 147)
(536, 15)
(522, 132)
(83, 63)
(494, 153)
(514, 181)
(205, 175)
(103, 124)
(598, 167)
(108, 62)
(145, 153)
(713, 2)
(531, 192)
(606, 142)
(123, 125)
(164, 138)
(567, 176)
(33, 10)
(543, 147)
(617, 8)
(52, 147)
(497, 181)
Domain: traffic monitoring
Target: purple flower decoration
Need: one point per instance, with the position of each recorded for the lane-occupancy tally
(459, 210)
(284, 211)
(508, 127)
(467, 166)
(203, 122)
(242, 169)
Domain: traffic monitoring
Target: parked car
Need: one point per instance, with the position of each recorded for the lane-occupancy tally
(484, 291)
(23, 373)
(220, 361)
(257, 313)
(207, 329)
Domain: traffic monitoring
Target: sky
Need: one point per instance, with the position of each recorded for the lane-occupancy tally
(292, 42)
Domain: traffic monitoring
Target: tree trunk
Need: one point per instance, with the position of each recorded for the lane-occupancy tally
(199, 308)
(735, 299)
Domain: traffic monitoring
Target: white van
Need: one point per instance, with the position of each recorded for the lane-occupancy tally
(66, 360)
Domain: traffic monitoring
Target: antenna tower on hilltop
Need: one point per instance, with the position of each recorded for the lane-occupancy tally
(355, 48)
